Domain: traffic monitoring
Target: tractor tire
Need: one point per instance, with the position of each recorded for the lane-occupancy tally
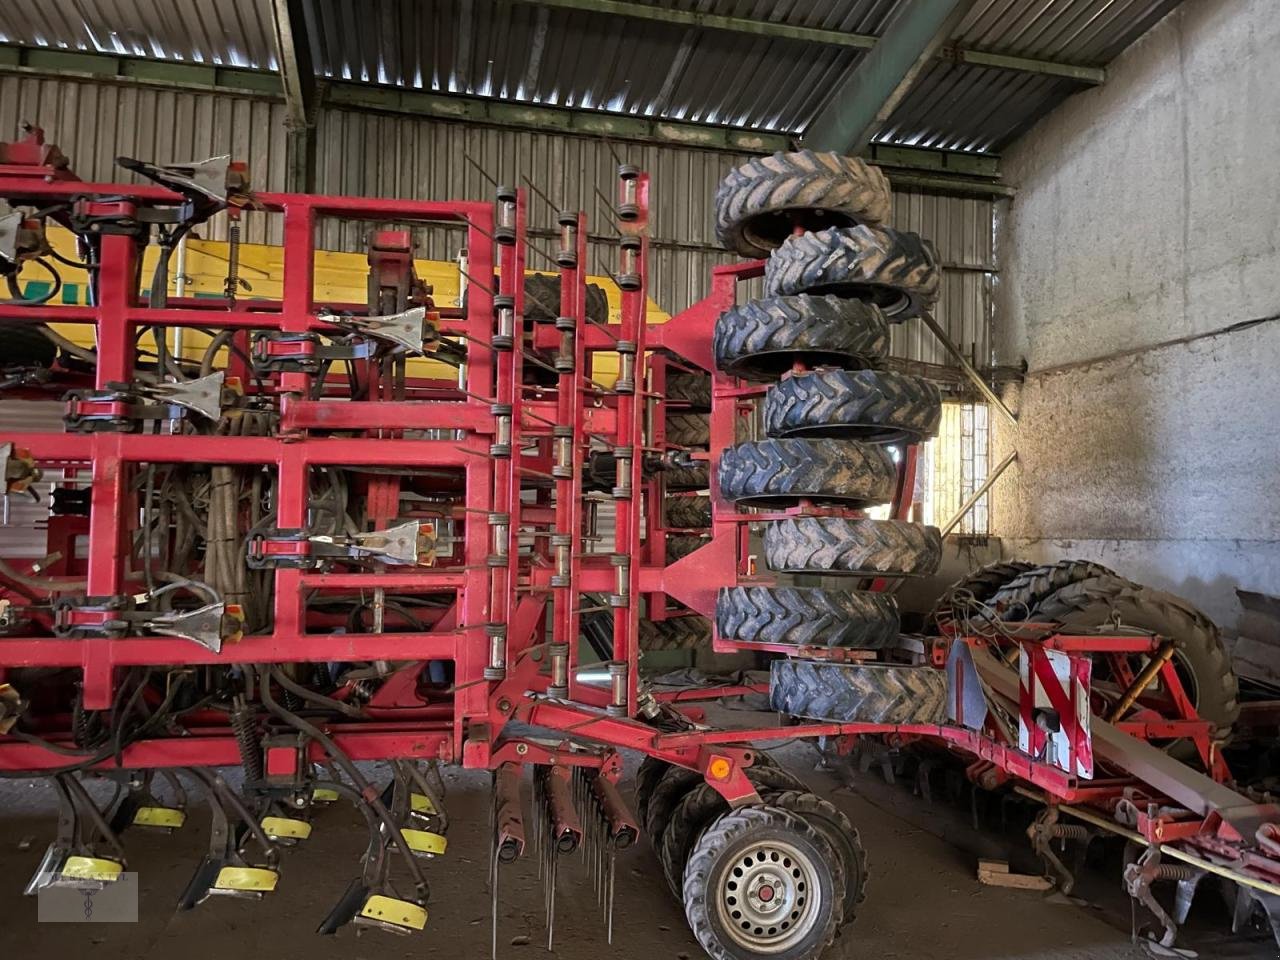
(697, 477)
(703, 804)
(647, 776)
(727, 854)
(763, 339)
(858, 692)
(680, 546)
(898, 272)
(840, 833)
(689, 429)
(688, 513)
(665, 796)
(874, 405)
(691, 388)
(760, 203)
(808, 617)
(1204, 663)
(1024, 593)
(675, 633)
(779, 473)
(542, 299)
(839, 545)
(23, 345)
(981, 584)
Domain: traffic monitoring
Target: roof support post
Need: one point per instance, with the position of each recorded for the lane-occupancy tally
(298, 79)
(878, 82)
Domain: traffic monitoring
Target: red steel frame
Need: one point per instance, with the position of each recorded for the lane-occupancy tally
(519, 595)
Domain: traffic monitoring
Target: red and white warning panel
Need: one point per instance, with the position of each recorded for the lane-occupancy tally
(1053, 708)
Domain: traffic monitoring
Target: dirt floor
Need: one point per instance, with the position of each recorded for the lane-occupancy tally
(923, 899)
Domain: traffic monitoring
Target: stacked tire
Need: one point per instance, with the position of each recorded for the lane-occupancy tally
(836, 280)
(686, 504)
(779, 878)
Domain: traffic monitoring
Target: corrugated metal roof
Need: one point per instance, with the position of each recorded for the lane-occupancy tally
(647, 68)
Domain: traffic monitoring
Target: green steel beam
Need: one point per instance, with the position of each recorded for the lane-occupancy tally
(964, 173)
(871, 91)
(834, 38)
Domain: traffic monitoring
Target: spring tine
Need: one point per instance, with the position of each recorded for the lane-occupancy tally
(609, 897)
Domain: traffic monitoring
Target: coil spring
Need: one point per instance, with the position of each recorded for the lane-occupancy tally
(1174, 871)
(247, 741)
(1069, 831)
(79, 721)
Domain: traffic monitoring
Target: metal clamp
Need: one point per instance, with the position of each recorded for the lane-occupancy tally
(122, 408)
(406, 544)
(413, 331)
(274, 352)
(209, 625)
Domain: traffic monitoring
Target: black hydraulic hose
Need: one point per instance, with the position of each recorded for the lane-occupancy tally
(366, 789)
(320, 699)
(21, 301)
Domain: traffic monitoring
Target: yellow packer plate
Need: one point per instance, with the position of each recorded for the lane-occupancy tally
(167, 818)
(421, 803)
(91, 868)
(324, 795)
(425, 842)
(399, 913)
(286, 828)
(246, 878)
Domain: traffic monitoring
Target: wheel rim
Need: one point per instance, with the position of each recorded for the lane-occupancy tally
(769, 897)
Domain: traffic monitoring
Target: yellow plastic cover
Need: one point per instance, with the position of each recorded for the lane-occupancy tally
(399, 913)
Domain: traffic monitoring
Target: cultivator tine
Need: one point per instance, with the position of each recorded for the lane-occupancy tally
(224, 871)
(608, 827)
(73, 857)
(506, 826)
(408, 807)
(370, 899)
(557, 831)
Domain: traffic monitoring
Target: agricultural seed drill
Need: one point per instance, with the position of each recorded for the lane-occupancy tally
(289, 534)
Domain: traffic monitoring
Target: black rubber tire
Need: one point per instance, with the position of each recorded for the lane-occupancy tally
(689, 387)
(807, 616)
(700, 806)
(981, 584)
(652, 770)
(675, 633)
(689, 429)
(1025, 592)
(542, 297)
(873, 405)
(837, 545)
(665, 796)
(779, 473)
(763, 339)
(858, 692)
(680, 546)
(649, 773)
(23, 345)
(1102, 600)
(760, 203)
(688, 513)
(898, 272)
(717, 851)
(697, 477)
(840, 833)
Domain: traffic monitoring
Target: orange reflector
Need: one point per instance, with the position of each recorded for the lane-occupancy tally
(719, 768)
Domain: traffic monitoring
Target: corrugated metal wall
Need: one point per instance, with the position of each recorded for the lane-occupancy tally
(369, 154)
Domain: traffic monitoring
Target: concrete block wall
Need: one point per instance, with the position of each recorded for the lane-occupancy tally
(1140, 280)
